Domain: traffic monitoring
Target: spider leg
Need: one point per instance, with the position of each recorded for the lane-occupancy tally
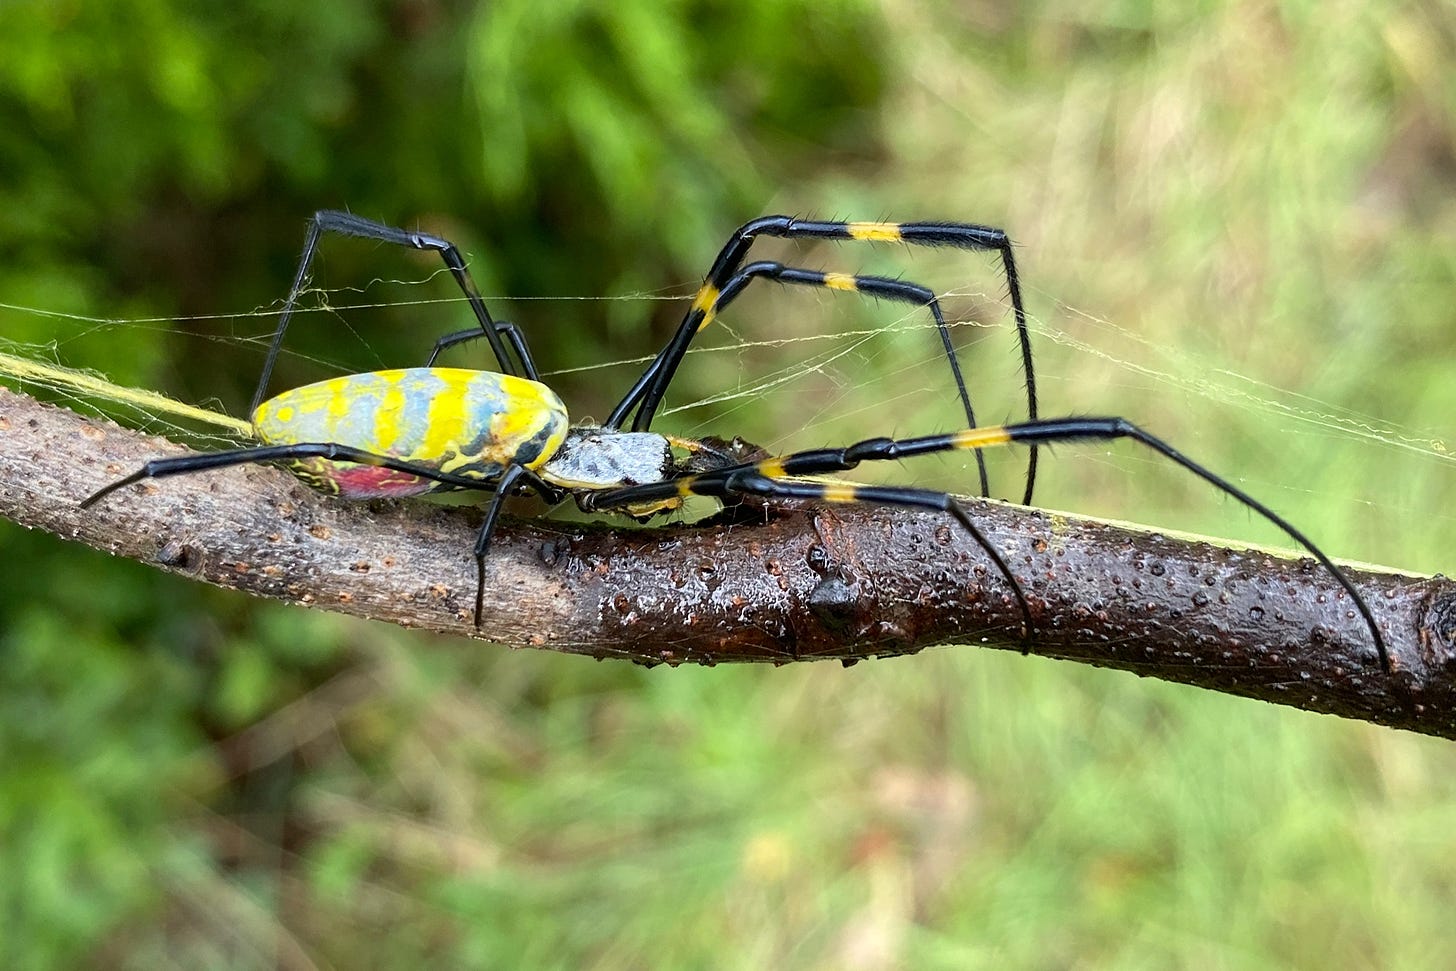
(873, 286)
(649, 389)
(487, 530)
(751, 482)
(348, 224)
(503, 487)
(1074, 429)
(202, 461)
(500, 486)
(506, 329)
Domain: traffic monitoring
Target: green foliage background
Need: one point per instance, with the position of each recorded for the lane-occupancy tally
(1256, 189)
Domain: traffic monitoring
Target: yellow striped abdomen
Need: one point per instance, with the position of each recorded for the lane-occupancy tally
(466, 423)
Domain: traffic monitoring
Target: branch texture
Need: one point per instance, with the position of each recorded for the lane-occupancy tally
(775, 584)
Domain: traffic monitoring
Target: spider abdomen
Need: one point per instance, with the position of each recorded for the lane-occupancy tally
(467, 423)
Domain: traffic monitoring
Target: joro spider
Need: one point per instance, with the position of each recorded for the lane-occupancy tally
(412, 431)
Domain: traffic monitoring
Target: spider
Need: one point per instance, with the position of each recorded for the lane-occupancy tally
(411, 431)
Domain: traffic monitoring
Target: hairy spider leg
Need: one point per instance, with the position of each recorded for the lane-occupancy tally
(348, 224)
(650, 388)
(767, 478)
(503, 488)
(875, 286)
(501, 485)
(505, 328)
(751, 482)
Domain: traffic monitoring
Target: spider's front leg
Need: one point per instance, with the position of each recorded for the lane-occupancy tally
(646, 394)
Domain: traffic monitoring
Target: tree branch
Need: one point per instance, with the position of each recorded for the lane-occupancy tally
(795, 583)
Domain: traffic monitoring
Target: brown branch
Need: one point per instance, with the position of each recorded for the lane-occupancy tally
(841, 582)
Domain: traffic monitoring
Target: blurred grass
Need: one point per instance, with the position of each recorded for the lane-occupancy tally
(1223, 200)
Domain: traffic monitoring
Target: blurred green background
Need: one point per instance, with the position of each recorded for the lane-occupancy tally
(1236, 225)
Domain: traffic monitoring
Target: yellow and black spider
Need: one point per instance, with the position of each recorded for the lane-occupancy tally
(411, 431)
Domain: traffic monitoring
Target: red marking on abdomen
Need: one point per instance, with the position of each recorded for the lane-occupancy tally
(374, 482)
